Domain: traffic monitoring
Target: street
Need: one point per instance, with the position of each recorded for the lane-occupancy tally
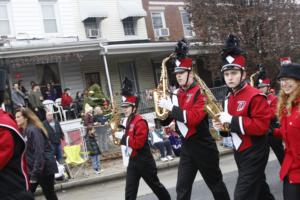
(115, 189)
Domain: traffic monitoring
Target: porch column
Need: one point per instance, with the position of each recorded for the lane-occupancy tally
(106, 71)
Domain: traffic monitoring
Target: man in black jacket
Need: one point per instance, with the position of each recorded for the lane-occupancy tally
(14, 183)
(55, 134)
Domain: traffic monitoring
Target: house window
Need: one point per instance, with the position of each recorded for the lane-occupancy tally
(49, 17)
(186, 24)
(158, 20)
(126, 69)
(4, 20)
(92, 29)
(129, 25)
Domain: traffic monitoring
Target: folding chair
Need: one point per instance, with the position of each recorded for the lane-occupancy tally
(74, 159)
(50, 106)
(64, 112)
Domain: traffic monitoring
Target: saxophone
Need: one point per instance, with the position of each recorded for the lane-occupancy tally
(253, 78)
(115, 123)
(162, 90)
(212, 107)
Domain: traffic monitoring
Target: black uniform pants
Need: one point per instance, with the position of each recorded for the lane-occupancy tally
(47, 184)
(143, 168)
(196, 156)
(290, 191)
(251, 183)
(277, 146)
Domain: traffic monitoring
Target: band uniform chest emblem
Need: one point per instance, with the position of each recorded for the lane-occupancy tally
(188, 97)
(131, 127)
(241, 105)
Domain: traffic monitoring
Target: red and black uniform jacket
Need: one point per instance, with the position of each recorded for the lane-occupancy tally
(13, 167)
(190, 111)
(289, 131)
(251, 114)
(136, 132)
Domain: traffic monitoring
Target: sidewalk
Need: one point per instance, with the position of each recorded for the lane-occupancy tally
(113, 170)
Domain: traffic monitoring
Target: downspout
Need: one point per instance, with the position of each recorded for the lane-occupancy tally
(106, 70)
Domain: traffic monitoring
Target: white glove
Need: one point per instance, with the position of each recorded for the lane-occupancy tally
(225, 117)
(166, 103)
(216, 125)
(119, 134)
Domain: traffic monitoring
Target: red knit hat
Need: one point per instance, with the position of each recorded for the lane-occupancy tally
(183, 64)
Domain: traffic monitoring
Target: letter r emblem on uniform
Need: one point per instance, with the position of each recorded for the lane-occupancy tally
(241, 105)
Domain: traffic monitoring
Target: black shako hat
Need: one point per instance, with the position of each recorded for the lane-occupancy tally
(128, 96)
(291, 70)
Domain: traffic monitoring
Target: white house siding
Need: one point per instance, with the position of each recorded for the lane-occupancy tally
(71, 76)
(27, 17)
(70, 21)
(112, 26)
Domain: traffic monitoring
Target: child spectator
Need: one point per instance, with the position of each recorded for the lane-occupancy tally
(94, 151)
(90, 139)
(101, 128)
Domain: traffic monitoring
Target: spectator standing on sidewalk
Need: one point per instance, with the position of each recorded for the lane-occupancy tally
(135, 147)
(14, 183)
(40, 159)
(17, 97)
(101, 126)
(90, 139)
(55, 134)
(35, 100)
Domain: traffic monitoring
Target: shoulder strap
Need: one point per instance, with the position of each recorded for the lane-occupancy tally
(197, 95)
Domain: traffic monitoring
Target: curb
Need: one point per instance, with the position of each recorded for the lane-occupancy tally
(112, 177)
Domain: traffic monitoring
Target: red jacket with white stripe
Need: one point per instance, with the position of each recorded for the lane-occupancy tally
(251, 114)
(190, 109)
(13, 167)
(289, 131)
(137, 134)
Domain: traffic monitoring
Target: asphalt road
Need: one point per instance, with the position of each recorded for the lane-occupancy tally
(201, 192)
(114, 190)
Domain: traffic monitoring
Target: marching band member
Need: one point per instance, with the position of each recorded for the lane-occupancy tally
(141, 162)
(247, 112)
(14, 182)
(274, 142)
(289, 131)
(199, 151)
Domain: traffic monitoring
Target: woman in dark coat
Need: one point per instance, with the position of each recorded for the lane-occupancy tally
(40, 158)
